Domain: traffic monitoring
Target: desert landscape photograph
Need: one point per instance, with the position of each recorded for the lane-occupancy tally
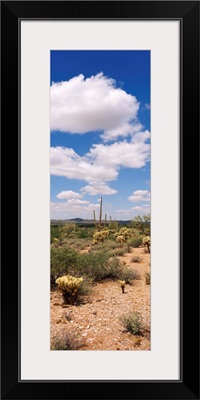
(100, 223)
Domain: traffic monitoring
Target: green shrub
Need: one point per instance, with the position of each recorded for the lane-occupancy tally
(55, 233)
(136, 259)
(132, 323)
(129, 275)
(85, 287)
(118, 252)
(115, 269)
(147, 278)
(94, 265)
(63, 261)
(135, 241)
(82, 233)
(67, 341)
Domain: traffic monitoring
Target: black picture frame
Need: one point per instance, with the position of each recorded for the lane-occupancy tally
(188, 13)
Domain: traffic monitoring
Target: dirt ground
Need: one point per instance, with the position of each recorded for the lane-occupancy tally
(96, 319)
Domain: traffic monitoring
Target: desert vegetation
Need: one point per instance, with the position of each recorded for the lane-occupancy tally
(100, 293)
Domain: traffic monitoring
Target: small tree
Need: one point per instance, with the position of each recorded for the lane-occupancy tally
(142, 223)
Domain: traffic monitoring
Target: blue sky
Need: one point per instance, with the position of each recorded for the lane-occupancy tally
(100, 133)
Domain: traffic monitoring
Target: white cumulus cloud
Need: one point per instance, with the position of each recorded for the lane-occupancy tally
(122, 154)
(69, 194)
(83, 105)
(98, 188)
(77, 201)
(144, 209)
(65, 162)
(140, 195)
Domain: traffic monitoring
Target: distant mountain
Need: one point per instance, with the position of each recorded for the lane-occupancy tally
(76, 219)
(84, 221)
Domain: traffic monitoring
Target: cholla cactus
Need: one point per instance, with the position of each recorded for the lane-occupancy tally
(122, 284)
(69, 286)
(100, 236)
(123, 232)
(120, 239)
(147, 242)
(126, 232)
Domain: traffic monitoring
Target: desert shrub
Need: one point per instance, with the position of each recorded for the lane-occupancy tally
(114, 269)
(85, 287)
(63, 261)
(111, 244)
(132, 323)
(129, 275)
(82, 233)
(78, 244)
(136, 259)
(118, 252)
(147, 242)
(147, 278)
(55, 233)
(96, 247)
(135, 241)
(69, 229)
(69, 285)
(94, 265)
(66, 341)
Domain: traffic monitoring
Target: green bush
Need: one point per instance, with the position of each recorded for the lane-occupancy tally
(135, 241)
(55, 233)
(63, 261)
(132, 323)
(82, 233)
(117, 252)
(93, 266)
(129, 275)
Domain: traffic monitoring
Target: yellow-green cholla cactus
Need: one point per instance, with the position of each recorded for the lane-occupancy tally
(120, 239)
(100, 236)
(69, 286)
